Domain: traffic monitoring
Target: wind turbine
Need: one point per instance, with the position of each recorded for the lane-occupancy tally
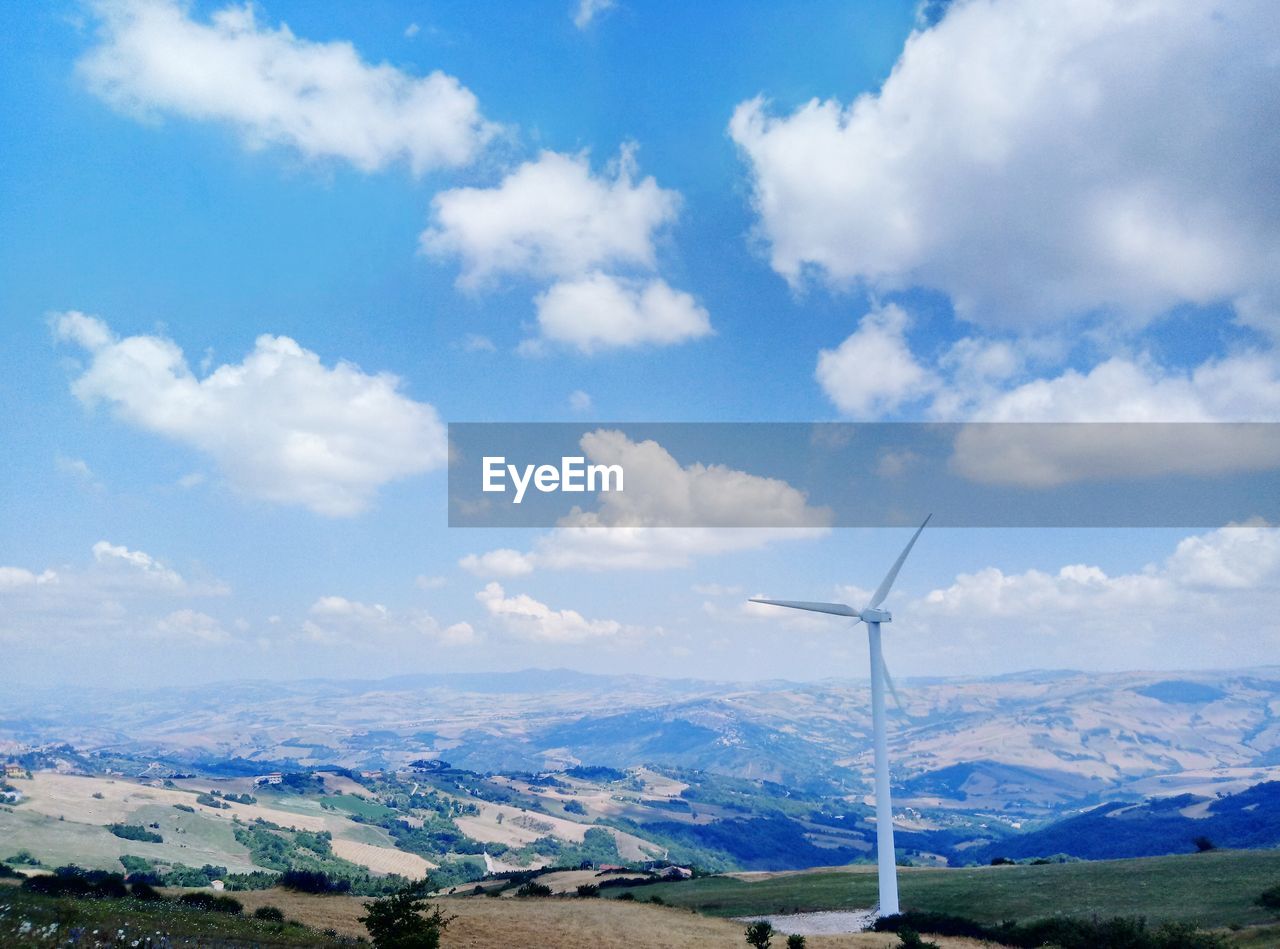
(873, 616)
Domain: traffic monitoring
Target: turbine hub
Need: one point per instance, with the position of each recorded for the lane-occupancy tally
(875, 615)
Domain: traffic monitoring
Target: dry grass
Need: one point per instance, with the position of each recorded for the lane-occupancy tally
(484, 923)
(382, 859)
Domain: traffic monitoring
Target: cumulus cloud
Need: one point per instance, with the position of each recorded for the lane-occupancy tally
(552, 217)
(599, 311)
(1037, 161)
(118, 592)
(191, 625)
(336, 620)
(873, 372)
(281, 425)
(669, 515)
(527, 617)
(1216, 593)
(321, 99)
(1221, 561)
(554, 220)
(587, 10)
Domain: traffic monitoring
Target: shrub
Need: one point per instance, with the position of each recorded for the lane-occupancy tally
(533, 888)
(144, 891)
(269, 914)
(75, 881)
(586, 890)
(760, 934)
(1001, 862)
(795, 941)
(312, 881)
(212, 902)
(910, 939)
(7, 871)
(628, 896)
(401, 920)
(1270, 897)
(135, 832)
(1203, 844)
(574, 807)
(24, 857)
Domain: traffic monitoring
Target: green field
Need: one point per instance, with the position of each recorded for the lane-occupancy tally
(1212, 889)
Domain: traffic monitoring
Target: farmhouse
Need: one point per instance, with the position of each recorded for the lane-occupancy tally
(14, 770)
(275, 777)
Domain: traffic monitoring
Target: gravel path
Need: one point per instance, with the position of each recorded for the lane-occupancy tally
(818, 924)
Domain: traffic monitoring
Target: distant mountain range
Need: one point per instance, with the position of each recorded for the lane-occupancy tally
(1026, 746)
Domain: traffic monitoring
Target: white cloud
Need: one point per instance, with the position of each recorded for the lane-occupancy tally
(647, 526)
(275, 88)
(1040, 160)
(428, 582)
(119, 593)
(14, 578)
(874, 372)
(503, 562)
(587, 11)
(552, 218)
(599, 311)
(579, 401)
(336, 620)
(281, 425)
(525, 616)
(1241, 387)
(1214, 596)
(136, 562)
(476, 343)
(191, 625)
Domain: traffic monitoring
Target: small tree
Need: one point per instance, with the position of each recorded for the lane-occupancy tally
(795, 941)
(1203, 844)
(760, 934)
(401, 920)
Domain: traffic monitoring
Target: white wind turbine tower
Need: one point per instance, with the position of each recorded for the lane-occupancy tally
(873, 616)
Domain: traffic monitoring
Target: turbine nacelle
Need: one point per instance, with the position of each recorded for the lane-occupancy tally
(874, 614)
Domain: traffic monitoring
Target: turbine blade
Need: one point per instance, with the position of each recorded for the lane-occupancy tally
(836, 609)
(893, 689)
(887, 583)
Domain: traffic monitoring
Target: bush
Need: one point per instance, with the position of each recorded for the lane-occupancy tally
(144, 891)
(1065, 933)
(628, 897)
(1203, 844)
(313, 881)
(268, 913)
(574, 807)
(135, 832)
(1270, 897)
(533, 888)
(795, 941)
(7, 871)
(401, 920)
(212, 902)
(586, 890)
(1001, 862)
(760, 934)
(24, 857)
(77, 882)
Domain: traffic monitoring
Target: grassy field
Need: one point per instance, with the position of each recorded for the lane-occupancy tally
(484, 923)
(29, 920)
(1213, 889)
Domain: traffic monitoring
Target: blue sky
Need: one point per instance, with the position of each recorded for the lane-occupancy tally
(1032, 213)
